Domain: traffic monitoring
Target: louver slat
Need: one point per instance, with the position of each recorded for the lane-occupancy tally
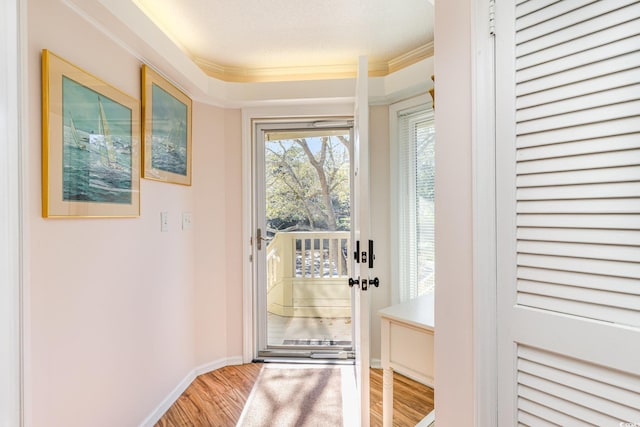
(581, 250)
(575, 307)
(567, 391)
(578, 235)
(584, 117)
(527, 7)
(623, 380)
(616, 206)
(588, 11)
(580, 280)
(585, 191)
(576, 148)
(577, 59)
(531, 413)
(581, 265)
(620, 126)
(574, 293)
(617, 222)
(548, 13)
(580, 413)
(589, 70)
(611, 159)
(590, 176)
(605, 81)
(595, 404)
(597, 21)
(579, 103)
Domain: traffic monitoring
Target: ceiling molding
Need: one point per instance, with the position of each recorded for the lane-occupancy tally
(323, 72)
(127, 26)
(416, 55)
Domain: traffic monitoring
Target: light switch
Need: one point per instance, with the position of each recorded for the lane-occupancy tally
(186, 220)
(164, 221)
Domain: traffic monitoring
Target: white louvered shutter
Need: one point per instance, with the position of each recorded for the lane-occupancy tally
(568, 206)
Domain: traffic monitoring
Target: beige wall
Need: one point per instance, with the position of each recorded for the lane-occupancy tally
(454, 216)
(218, 225)
(114, 303)
(233, 236)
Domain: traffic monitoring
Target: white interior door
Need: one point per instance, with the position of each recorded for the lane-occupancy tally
(361, 230)
(568, 175)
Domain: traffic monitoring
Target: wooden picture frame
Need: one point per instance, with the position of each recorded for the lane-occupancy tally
(166, 128)
(90, 145)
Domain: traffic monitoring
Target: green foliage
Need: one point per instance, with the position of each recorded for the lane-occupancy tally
(308, 183)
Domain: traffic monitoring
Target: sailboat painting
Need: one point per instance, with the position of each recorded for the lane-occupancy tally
(90, 145)
(167, 130)
(169, 133)
(97, 146)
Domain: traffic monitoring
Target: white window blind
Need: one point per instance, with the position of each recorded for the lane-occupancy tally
(416, 169)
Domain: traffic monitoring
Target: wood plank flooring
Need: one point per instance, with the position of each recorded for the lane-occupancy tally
(216, 399)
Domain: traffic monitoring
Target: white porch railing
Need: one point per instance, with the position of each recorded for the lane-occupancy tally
(307, 274)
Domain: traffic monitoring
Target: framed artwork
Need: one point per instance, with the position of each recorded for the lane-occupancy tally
(166, 126)
(90, 145)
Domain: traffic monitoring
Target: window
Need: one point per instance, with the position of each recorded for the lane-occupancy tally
(414, 196)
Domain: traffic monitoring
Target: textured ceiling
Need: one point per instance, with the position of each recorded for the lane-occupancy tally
(280, 37)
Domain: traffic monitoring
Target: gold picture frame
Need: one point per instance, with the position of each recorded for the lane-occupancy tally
(90, 145)
(166, 129)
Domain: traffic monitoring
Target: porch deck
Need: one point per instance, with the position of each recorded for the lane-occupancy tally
(284, 330)
(308, 300)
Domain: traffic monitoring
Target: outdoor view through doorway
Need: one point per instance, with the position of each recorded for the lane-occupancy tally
(305, 239)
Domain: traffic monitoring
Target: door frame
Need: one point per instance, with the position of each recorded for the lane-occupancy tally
(12, 47)
(250, 115)
(261, 127)
(485, 272)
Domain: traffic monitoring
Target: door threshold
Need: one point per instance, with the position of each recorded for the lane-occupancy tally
(304, 360)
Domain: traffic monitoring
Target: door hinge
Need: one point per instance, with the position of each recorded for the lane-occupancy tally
(492, 17)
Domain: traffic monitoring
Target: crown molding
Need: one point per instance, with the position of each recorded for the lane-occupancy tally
(416, 55)
(323, 72)
(127, 26)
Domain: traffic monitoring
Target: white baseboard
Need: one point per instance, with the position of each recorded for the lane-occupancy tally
(217, 364)
(429, 420)
(166, 403)
(376, 363)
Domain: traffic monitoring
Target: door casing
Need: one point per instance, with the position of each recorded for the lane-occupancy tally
(251, 116)
(259, 202)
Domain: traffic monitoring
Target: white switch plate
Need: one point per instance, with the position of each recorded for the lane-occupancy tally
(164, 221)
(186, 220)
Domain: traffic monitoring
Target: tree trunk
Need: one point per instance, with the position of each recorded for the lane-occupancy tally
(318, 165)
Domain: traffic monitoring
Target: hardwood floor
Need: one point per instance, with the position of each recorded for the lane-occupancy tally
(216, 399)
(412, 401)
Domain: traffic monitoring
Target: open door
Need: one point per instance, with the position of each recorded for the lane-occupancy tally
(361, 279)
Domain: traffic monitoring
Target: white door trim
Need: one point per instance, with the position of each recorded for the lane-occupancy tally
(11, 132)
(249, 117)
(484, 217)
